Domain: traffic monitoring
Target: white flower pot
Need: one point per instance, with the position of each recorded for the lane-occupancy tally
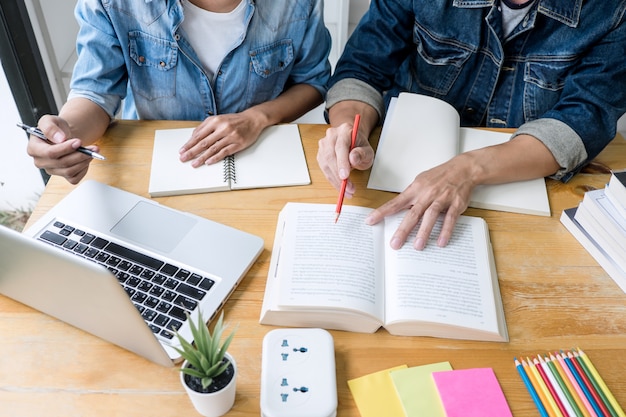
(214, 404)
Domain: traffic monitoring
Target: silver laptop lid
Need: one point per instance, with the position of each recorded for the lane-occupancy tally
(75, 291)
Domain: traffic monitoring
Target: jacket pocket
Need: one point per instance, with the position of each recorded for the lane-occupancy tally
(153, 65)
(270, 69)
(439, 60)
(543, 84)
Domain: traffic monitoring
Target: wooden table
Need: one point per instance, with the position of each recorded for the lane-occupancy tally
(555, 297)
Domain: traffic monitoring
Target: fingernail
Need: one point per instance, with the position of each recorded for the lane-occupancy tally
(396, 243)
(420, 243)
(369, 220)
(343, 174)
(58, 137)
(441, 242)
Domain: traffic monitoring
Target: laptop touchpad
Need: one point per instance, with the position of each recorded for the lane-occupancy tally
(153, 226)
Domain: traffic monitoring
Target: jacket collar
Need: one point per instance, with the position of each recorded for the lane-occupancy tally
(564, 11)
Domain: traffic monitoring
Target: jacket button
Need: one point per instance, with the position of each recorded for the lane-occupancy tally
(162, 64)
(142, 59)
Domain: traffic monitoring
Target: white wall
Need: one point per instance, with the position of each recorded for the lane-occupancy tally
(55, 29)
(20, 182)
(621, 125)
(357, 10)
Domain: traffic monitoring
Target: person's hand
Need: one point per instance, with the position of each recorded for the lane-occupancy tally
(219, 136)
(335, 158)
(443, 189)
(58, 155)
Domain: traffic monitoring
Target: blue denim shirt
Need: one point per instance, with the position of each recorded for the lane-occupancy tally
(559, 76)
(136, 49)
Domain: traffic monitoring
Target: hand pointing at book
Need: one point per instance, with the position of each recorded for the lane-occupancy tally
(445, 188)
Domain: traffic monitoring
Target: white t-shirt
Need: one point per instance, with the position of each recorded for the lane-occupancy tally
(512, 16)
(213, 35)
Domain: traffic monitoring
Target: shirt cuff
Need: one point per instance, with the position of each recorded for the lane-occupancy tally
(354, 89)
(565, 144)
(109, 103)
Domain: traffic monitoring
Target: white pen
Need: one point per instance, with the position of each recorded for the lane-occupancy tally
(38, 133)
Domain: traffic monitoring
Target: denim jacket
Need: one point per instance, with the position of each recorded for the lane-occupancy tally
(560, 76)
(137, 50)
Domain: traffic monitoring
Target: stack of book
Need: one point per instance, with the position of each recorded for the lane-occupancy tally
(599, 224)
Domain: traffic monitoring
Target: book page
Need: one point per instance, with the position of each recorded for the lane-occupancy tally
(526, 197)
(170, 176)
(324, 264)
(420, 133)
(450, 285)
(276, 159)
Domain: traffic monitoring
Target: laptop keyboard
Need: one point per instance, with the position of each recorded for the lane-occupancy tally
(163, 293)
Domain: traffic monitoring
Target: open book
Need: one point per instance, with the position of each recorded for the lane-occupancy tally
(421, 132)
(345, 276)
(276, 159)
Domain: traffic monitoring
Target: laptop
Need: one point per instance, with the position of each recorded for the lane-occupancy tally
(125, 268)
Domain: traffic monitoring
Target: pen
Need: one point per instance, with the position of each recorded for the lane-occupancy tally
(342, 192)
(38, 133)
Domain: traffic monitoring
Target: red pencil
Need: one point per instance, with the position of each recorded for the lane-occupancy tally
(556, 397)
(342, 192)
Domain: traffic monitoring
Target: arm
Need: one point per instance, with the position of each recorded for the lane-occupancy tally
(447, 187)
(98, 85)
(333, 155)
(223, 135)
(80, 123)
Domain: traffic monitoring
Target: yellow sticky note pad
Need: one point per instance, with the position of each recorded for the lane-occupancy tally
(375, 394)
(417, 391)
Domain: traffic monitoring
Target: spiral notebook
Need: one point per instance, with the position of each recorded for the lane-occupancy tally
(276, 159)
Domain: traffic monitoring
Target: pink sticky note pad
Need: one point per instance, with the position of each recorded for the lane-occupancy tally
(471, 393)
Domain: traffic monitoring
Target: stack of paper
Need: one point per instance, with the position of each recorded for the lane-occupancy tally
(599, 224)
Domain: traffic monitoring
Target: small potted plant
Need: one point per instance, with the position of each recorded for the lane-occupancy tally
(208, 373)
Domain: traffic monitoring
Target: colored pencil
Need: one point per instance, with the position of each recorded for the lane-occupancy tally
(531, 389)
(620, 412)
(550, 384)
(581, 395)
(589, 384)
(560, 388)
(596, 385)
(580, 405)
(582, 385)
(551, 407)
(540, 392)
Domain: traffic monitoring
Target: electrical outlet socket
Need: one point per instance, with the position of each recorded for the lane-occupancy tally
(298, 374)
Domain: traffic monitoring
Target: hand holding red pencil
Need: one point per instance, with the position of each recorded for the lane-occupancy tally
(344, 183)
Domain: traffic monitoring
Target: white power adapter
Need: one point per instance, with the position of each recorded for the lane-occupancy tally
(298, 374)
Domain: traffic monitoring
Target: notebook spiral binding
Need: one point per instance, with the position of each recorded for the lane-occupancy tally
(229, 169)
